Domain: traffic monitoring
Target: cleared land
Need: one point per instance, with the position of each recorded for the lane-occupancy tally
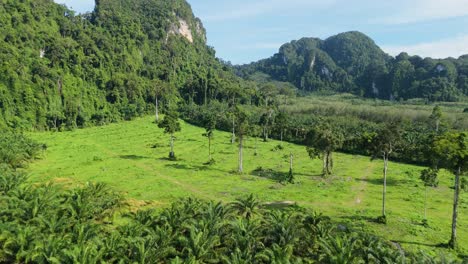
(131, 157)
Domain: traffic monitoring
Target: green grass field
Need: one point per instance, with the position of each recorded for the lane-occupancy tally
(131, 157)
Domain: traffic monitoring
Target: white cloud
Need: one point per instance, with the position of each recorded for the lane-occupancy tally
(426, 10)
(453, 47)
(256, 8)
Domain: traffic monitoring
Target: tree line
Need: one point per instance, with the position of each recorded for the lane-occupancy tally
(445, 149)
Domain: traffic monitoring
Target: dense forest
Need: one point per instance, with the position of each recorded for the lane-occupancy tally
(61, 70)
(351, 62)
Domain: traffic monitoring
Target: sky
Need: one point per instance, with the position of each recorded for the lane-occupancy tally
(242, 31)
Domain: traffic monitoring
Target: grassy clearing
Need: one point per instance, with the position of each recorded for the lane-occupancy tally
(348, 105)
(131, 157)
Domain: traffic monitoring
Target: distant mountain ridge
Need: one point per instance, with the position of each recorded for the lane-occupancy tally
(352, 62)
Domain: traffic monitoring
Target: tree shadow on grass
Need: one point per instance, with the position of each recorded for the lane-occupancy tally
(390, 181)
(419, 243)
(309, 175)
(270, 174)
(132, 157)
(354, 218)
(186, 167)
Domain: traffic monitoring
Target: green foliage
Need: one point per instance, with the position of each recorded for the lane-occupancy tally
(452, 151)
(321, 142)
(387, 140)
(352, 196)
(429, 177)
(351, 62)
(60, 71)
(45, 223)
(170, 123)
(16, 149)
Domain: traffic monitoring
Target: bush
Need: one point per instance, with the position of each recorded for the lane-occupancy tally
(16, 149)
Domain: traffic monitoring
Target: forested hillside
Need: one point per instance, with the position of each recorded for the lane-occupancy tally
(351, 62)
(61, 70)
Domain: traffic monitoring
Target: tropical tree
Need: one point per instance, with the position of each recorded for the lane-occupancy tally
(210, 120)
(243, 128)
(159, 89)
(171, 125)
(429, 177)
(321, 142)
(256, 132)
(384, 144)
(266, 121)
(452, 150)
(246, 207)
(281, 123)
(436, 118)
(339, 249)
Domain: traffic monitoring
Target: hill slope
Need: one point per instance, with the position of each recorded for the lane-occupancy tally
(62, 70)
(352, 62)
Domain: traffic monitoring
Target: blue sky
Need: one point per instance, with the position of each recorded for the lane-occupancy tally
(247, 30)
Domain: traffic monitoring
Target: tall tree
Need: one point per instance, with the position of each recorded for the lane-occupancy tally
(281, 123)
(452, 149)
(242, 128)
(171, 125)
(266, 121)
(429, 177)
(321, 142)
(210, 119)
(383, 145)
(159, 89)
(436, 117)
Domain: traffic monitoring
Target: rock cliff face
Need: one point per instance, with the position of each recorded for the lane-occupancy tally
(182, 29)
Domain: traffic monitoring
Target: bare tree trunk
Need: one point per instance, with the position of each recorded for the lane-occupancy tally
(330, 163)
(206, 91)
(291, 174)
(291, 157)
(209, 148)
(384, 191)
(256, 149)
(324, 169)
(241, 167)
(281, 137)
(171, 154)
(233, 138)
(156, 103)
(453, 239)
(425, 204)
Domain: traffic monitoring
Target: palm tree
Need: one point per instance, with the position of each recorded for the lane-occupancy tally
(199, 245)
(282, 228)
(338, 249)
(277, 254)
(246, 207)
